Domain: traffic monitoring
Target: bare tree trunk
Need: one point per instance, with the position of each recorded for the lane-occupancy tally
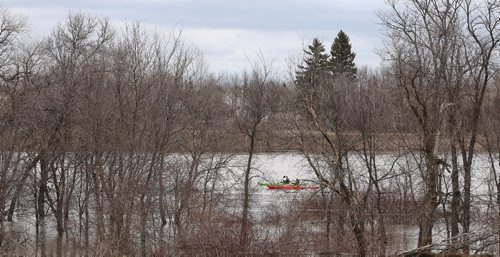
(5, 166)
(245, 219)
(86, 227)
(359, 233)
(42, 190)
(145, 203)
(381, 231)
(430, 201)
(455, 200)
(97, 178)
(467, 197)
(18, 191)
(327, 203)
(161, 186)
(143, 223)
(60, 198)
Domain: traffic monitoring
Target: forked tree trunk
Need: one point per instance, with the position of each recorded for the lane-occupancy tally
(430, 201)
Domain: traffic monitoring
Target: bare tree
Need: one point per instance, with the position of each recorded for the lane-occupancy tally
(321, 130)
(67, 54)
(371, 105)
(482, 23)
(11, 70)
(253, 104)
(439, 51)
(489, 129)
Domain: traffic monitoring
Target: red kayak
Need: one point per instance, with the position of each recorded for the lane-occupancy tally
(291, 187)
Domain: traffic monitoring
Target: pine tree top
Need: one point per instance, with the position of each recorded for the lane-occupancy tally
(315, 55)
(342, 57)
(315, 59)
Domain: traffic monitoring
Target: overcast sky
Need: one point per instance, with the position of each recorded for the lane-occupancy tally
(229, 32)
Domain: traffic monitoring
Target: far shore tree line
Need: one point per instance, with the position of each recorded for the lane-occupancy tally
(127, 144)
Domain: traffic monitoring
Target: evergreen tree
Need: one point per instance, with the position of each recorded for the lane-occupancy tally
(342, 58)
(315, 60)
(311, 72)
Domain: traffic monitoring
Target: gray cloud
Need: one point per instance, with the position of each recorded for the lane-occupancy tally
(251, 23)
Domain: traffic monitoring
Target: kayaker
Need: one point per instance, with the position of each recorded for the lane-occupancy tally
(285, 180)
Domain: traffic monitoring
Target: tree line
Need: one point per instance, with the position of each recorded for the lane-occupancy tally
(126, 144)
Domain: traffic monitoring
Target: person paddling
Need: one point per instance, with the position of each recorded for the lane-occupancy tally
(285, 180)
